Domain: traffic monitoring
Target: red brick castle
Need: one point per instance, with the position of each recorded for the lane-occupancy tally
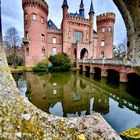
(76, 37)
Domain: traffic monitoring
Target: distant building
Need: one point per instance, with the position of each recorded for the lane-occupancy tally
(76, 37)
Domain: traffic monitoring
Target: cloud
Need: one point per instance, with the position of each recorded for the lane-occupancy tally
(12, 14)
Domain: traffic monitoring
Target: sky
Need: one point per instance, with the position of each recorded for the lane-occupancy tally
(12, 14)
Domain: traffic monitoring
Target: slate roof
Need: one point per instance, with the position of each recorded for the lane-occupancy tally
(51, 25)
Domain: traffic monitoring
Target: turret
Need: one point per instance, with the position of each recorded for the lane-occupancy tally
(65, 9)
(82, 10)
(91, 18)
(65, 26)
(35, 30)
(105, 30)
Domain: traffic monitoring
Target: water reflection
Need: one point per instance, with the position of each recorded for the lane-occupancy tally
(71, 95)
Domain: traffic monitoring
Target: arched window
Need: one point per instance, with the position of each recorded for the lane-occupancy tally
(102, 54)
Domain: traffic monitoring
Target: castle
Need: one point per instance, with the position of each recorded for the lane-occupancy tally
(76, 37)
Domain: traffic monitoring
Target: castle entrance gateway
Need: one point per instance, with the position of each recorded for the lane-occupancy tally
(84, 53)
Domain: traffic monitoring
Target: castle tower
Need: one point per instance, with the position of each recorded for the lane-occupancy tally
(82, 10)
(65, 26)
(105, 30)
(91, 18)
(35, 30)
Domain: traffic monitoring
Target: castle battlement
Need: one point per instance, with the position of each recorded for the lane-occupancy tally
(54, 30)
(109, 16)
(40, 3)
(78, 18)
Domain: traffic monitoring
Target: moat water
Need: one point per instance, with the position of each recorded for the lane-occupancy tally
(72, 95)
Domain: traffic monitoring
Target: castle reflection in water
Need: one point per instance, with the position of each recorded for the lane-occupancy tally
(71, 95)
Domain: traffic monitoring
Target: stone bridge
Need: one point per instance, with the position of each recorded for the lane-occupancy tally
(106, 66)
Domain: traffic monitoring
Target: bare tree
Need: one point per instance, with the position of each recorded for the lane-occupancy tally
(11, 42)
(120, 51)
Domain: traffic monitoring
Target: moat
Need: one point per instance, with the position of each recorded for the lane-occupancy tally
(72, 95)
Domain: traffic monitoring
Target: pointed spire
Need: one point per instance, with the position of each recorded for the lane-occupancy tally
(91, 11)
(65, 4)
(81, 10)
(82, 4)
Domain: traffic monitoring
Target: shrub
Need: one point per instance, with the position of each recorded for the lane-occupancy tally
(41, 66)
(60, 63)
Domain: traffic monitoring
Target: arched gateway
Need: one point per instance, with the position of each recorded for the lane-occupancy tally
(84, 54)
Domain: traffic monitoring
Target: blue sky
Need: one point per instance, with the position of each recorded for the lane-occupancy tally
(12, 14)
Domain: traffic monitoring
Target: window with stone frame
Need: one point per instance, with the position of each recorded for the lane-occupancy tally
(110, 29)
(102, 43)
(34, 17)
(78, 36)
(54, 40)
(103, 29)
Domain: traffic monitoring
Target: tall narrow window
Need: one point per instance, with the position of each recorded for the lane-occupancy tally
(27, 51)
(42, 20)
(53, 51)
(102, 54)
(43, 51)
(78, 37)
(54, 40)
(34, 16)
(43, 38)
(26, 34)
(110, 29)
(102, 43)
(26, 17)
(103, 29)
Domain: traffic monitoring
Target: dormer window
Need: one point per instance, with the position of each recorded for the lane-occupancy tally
(34, 17)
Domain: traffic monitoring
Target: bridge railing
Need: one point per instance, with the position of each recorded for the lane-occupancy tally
(104, 61)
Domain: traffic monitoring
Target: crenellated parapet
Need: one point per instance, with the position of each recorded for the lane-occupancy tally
(106, 17)
(77, 18)
(56, 31)
(40, 3)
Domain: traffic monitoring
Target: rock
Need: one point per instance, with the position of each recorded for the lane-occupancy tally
(26, 116)
(18, 134)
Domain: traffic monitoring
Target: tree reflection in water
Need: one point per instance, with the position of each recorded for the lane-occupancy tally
(71, 95)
